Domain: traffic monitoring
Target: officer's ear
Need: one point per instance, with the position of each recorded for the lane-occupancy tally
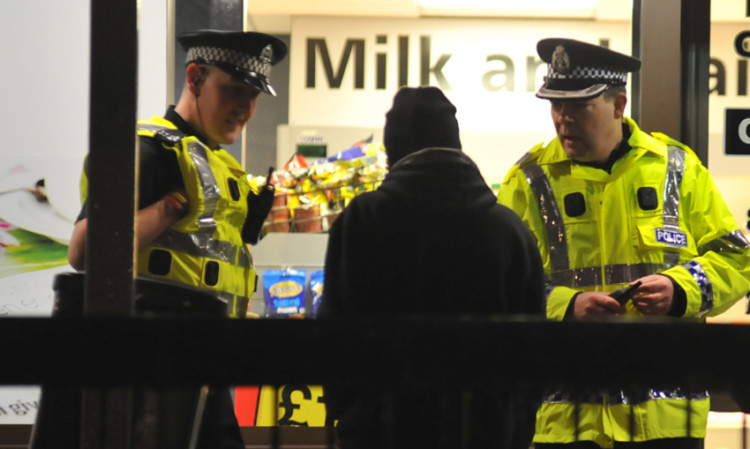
(620, 100)
(195, 77)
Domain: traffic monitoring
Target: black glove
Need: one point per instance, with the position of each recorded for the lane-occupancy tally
(258, 207)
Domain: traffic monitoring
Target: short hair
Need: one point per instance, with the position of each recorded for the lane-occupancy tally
(614, 91)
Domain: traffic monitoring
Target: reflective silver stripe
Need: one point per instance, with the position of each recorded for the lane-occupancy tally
(620, 397)
(613, 274)
(579, 277)
(550, 213)
(734, 242)
(150, 127)
(704, 283)
(203, 245)
(671, 211)
(211, 191)
(624, 273)
(633, 398)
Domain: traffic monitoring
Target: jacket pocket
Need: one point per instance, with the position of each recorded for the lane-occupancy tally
(658, 239)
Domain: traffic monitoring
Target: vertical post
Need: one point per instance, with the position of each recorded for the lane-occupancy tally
(659, 51)
(111, 199)
(106, 412)
(172, 66)
(695, 55)
(635, 77)
(671, 37)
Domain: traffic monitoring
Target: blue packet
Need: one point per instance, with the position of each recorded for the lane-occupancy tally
(316, 290)
(284, 293)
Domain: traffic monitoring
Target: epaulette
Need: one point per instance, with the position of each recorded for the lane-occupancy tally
(170, 136)
(163, 134)
(527, 158)
(665, 139)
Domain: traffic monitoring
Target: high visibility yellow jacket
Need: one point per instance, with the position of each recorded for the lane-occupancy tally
(657, 212)
(204, 249)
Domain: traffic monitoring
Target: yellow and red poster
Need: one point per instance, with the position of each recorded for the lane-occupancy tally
(286, 405)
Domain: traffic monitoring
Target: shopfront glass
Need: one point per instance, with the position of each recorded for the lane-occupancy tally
(344, 67)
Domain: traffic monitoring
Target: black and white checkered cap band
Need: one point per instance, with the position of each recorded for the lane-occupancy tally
(236, 58)
(592, 73)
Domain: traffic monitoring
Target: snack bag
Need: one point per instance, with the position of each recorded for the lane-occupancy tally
(284, 293)
(316, 290)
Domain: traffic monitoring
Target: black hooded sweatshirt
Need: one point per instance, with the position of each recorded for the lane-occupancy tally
(431, 241)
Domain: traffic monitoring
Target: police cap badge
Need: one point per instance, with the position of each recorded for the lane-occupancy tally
(579, 70)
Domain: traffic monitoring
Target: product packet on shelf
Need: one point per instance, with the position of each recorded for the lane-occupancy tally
(284, 293)
(316, 290)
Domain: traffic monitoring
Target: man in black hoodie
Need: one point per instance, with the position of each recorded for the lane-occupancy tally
(430, 241)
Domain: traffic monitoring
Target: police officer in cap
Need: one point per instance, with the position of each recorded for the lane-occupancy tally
(612, 206)
(197, 211)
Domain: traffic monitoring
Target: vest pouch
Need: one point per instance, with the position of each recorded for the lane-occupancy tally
(211, 273)
(159, 262)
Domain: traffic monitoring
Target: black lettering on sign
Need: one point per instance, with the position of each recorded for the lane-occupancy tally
(425, 45)
(501, 78)
(739, 44)
(289, 406)
(329, 419)
(353, 46)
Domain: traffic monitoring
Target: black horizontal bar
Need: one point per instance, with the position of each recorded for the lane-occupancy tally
(158, 351)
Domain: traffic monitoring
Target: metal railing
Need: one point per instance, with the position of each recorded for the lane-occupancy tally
(105, 351)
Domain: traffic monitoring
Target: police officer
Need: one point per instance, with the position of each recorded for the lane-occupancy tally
(611, 205)
(197, 210)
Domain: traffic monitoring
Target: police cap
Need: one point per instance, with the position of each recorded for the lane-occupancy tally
(247, 56)
(579, 70)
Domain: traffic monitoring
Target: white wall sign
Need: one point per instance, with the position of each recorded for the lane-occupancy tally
(345, 71)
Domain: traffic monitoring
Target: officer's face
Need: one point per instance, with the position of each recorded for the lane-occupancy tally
(588, 129)
(225, 105)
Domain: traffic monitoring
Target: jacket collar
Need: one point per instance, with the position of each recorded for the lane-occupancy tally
(638, 140)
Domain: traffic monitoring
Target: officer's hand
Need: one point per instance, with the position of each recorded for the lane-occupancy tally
(596, 304)
(258, 207)
(654, 296)
(176, 205)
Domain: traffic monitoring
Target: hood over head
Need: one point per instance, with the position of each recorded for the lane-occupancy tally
(421, 117)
